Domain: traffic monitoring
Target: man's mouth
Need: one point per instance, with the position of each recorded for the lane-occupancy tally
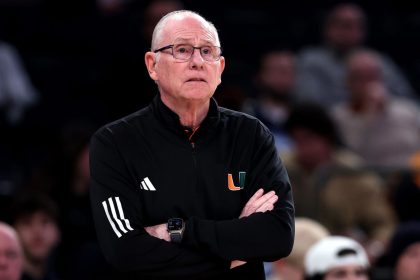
(196, 80)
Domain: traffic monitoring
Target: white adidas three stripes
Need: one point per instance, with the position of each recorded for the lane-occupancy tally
(122, 224)
(119, 223)
(147, 185)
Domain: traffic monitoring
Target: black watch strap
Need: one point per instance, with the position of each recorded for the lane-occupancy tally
(176, 237)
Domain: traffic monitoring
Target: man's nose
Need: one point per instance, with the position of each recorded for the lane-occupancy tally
(196, 59)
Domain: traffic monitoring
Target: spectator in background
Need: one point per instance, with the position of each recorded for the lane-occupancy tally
(404, 190)
(66, 178)
(330, 183)
(404, 252)
(11, 255)
(16, 91)
(321, 70)
(353, 203)
(66, 171)
(84, 259)
(307, 233)
(384, 130)
(35, 221)
(275, 83)
(336, 257)
(17, 95)
(317, 150)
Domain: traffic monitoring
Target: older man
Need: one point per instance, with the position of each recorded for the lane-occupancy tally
(322, 69)
(383, 129)
(184, 188)
(11, 254)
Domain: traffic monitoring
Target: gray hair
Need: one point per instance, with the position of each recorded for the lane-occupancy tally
(178, 14)
(370, 53)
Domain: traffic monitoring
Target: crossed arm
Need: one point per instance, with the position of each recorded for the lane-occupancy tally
(259, 202)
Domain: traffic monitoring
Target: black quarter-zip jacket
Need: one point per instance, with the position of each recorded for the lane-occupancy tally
(145, 170)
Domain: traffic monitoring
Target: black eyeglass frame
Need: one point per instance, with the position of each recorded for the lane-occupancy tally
(194, 48)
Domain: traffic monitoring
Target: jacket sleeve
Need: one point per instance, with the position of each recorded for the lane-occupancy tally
(261, 236)
(117, 210)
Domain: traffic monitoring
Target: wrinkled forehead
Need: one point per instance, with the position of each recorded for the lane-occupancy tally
(189, 29)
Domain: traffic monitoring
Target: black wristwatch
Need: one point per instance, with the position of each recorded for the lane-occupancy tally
(176, 229)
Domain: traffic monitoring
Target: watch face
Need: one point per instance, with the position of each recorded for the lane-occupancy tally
(175, 224)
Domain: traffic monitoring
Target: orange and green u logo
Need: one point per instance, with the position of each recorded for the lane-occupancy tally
(231, 184)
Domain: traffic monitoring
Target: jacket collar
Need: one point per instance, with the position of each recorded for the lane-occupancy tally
(171, 119)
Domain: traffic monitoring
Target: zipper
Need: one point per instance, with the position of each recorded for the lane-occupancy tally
(193, 154)
(194, 159)
(193, 146)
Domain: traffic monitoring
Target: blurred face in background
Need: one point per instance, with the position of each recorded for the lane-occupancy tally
(278, 72)
(312, 150)
(345, 28)
(347, 272)
(39, 235)
(11, 258)
(363, 69)
(408, 265)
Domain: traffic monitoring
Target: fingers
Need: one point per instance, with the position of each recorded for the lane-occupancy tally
(259, 203)
(268, 205)
(247, 210)
(262, 200)
(158, 231)
(236, 263)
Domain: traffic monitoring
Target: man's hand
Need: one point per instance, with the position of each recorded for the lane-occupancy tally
(234, 264)
(259, 202)
(159, 231)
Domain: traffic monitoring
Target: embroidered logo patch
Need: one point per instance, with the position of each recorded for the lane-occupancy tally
(231, 184)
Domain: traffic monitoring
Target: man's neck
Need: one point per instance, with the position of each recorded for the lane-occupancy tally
(191, 113)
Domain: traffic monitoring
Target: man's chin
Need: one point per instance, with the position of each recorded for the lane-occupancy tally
(197, 96)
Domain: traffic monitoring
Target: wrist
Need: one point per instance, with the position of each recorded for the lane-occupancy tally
(176, 228)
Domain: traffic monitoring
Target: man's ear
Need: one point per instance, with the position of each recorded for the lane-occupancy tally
(222, 67)
(149, 59)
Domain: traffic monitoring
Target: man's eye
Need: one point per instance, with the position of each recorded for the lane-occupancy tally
(206, 50)
(183, 49)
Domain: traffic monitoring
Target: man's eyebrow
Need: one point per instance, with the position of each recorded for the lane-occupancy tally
(188, 41)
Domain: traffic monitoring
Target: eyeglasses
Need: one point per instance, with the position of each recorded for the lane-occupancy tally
(184, 52)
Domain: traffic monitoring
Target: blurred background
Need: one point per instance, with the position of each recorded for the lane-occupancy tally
(336, 82)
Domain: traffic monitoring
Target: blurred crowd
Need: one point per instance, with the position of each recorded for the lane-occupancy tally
(343, 108)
